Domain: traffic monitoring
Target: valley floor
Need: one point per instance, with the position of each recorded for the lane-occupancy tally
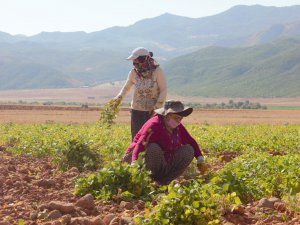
(221, 117)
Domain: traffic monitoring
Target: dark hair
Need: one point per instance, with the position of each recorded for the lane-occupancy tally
(151, 54)
(141, 58)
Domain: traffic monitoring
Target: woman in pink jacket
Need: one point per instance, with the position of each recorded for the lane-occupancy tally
(169, 146)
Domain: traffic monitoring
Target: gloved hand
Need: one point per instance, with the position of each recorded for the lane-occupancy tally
(202, 166)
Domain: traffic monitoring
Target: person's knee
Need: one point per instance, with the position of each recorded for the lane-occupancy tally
(154, 147)
(153, 150)
(153, 156)
(189, 151)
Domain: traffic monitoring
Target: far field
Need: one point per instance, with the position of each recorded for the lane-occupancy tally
(102, 93)
(49, 114)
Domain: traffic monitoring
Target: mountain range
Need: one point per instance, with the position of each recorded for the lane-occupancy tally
(246, 51)
(270, 70)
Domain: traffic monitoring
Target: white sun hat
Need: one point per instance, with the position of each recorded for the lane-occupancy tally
(140, 51)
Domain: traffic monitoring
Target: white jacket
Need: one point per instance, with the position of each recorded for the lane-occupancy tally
(149, 93)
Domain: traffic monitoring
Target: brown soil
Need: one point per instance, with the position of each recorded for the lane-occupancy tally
(33, 190)
(46, 114)
(104, 92)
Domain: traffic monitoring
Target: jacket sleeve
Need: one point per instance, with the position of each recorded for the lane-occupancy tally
(162, 85)
(127, 86)
(188, 139)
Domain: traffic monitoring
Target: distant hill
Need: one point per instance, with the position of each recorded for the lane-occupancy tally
(275, 32)
(177, 34)
(271, 70)
(74, 59)
(35, 65)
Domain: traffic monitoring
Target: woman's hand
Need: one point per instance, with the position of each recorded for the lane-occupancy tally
(117, 100)
(201, 164)
(151, 113)
(202, 167)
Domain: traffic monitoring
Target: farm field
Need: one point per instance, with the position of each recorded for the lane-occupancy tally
(56, 173)
(58, 162)
(102, 93)
(47, 114)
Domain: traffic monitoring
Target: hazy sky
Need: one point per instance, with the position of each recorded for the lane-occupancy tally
(30, 17)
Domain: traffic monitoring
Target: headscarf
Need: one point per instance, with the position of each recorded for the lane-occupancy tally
(146, 68)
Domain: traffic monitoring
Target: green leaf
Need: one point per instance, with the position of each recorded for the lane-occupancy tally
(21, 222)
(196, 204)
(237, 201)
(225, 187)
(187, 212)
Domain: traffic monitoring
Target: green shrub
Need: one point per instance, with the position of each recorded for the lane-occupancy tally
(117, 180)
(78, 154)
(254, 176)
(109, 113)
(194, 204)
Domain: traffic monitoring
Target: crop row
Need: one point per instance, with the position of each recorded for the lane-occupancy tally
(50, 139)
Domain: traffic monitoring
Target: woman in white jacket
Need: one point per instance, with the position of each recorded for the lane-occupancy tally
(150, 89)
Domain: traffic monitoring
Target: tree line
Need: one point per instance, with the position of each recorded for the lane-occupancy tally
(230, 105)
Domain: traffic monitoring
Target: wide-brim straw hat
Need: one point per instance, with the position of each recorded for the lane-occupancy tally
(172, 106)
